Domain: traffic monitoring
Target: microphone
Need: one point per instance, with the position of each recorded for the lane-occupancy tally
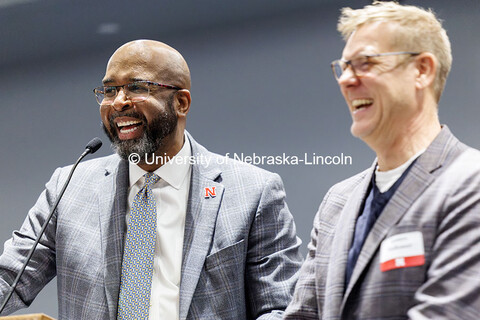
(91, 147)
(94, 145)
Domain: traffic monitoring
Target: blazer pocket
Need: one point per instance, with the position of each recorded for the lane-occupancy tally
(225, 256)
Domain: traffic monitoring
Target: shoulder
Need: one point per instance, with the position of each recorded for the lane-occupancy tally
(463, 171)
(234, 167)
(345, 188)
(336, 198)
(244, 178)
(102, 166)
(468, 159)
(230, 170)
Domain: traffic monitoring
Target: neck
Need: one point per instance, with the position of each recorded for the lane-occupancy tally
(395, 150)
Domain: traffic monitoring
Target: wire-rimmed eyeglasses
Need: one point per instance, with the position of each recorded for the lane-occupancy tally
(362, 64)
(136, 91)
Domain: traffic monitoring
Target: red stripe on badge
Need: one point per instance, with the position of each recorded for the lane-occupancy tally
(406, 262)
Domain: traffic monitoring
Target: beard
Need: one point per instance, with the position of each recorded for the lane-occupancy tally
(153, 136)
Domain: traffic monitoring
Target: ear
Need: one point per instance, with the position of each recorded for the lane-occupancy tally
(183, 102)
(426, 64)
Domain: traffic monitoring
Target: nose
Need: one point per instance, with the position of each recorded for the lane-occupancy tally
(348, 77)
(122, 101)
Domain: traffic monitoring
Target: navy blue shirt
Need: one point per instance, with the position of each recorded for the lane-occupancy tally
(372, 208)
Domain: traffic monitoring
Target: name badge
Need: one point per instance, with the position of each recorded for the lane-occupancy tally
(402, 250)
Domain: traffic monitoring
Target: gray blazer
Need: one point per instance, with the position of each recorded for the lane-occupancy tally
(240, 254)
(440, 197)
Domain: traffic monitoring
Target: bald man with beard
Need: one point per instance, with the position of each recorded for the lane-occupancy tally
(213, 239)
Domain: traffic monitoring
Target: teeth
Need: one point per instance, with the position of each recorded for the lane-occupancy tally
(128, 130)
(360, 102)
(127, 123)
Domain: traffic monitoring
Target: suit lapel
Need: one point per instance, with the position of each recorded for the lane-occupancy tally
(335, 282)
(113, 191)
(200, 222)
(417, 180)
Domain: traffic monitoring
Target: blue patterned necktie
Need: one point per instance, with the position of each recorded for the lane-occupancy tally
(137, 264)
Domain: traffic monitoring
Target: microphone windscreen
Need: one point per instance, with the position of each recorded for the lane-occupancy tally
(94, 145)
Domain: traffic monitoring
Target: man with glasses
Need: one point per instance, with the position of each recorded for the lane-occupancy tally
(400, 240)
(163, 229)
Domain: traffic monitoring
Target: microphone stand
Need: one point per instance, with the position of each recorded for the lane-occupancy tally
(92, 146)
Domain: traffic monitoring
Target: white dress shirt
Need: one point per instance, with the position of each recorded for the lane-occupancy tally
(171, 196)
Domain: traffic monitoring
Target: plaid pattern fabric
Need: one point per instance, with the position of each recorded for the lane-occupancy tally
(440, 197)
(240, 255)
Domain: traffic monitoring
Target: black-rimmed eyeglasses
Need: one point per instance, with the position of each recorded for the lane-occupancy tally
(136, 91)
(362, 64)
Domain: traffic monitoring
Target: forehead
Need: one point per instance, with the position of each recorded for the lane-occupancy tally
(134, 63)
(374, 37)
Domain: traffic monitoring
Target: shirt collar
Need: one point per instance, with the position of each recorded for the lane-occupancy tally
(173, 172)
(385, 179)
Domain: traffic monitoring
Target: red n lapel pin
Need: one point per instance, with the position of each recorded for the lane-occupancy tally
(210, 193)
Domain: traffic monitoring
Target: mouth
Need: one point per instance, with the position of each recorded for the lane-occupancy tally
(128, 127)
(359, 104)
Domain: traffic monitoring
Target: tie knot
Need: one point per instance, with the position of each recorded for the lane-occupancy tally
(150, 178)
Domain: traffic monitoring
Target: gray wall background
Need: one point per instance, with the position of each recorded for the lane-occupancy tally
(260, 85)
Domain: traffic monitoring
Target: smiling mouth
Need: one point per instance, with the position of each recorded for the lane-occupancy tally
(128, 126)
(359, 104)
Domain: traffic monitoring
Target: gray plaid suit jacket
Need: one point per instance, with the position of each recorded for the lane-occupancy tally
(440, 197)
(240, 255)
